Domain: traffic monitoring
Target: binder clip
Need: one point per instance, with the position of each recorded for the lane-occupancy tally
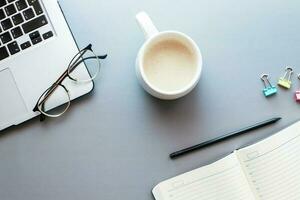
(297, 93)
(285, 81)
(269, 89)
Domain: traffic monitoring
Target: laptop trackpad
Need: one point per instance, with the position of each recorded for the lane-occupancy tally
(12, 105)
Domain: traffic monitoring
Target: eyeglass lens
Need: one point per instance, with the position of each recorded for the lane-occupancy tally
(77, 70)
(47, 104)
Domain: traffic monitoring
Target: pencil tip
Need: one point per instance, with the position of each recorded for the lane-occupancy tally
(277, 119)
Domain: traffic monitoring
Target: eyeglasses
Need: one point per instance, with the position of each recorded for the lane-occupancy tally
(47, 102)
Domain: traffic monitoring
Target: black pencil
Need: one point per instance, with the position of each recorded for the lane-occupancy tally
(224, 137)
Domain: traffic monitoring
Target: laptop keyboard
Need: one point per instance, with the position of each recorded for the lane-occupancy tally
(23, 24)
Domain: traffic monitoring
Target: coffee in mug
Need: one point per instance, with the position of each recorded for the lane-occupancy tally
(169, 65)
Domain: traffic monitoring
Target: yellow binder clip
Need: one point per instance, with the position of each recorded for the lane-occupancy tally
(285, 81)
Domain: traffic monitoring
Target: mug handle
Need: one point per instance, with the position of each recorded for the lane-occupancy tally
(146, 25)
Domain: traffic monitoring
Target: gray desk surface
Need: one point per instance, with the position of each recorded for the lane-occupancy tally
(114, 143)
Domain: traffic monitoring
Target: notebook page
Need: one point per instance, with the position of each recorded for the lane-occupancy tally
(272, 166)
(222, 180)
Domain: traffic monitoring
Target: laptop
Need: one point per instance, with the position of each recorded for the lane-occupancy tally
(36, 46)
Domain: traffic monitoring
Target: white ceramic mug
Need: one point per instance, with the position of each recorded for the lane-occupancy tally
(153, 36)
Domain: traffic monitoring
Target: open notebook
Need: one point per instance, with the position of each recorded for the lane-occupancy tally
(267, 170)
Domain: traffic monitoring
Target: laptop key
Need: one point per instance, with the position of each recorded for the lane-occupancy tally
(13, 48)
(10, 9)
(16, 32)
(47, 35)
(28, 14)
(35, 37)
(2, 3)
(2, 14)
(21, 4)
(5, 37)
(34, 24)
(3, 53)
(17, 19)
(37, 40)
(36, 6)
(25, 45)
(6, 24)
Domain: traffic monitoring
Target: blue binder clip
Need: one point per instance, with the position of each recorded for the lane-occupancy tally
(269, 89)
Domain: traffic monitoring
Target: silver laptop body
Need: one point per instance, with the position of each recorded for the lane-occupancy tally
(36, 47)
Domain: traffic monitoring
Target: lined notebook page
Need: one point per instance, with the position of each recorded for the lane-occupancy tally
(273, 165)
(222, 180)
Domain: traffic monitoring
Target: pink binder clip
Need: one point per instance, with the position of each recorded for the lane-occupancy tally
(297, 93)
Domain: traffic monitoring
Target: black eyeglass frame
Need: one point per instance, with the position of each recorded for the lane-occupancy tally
(74, 63)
